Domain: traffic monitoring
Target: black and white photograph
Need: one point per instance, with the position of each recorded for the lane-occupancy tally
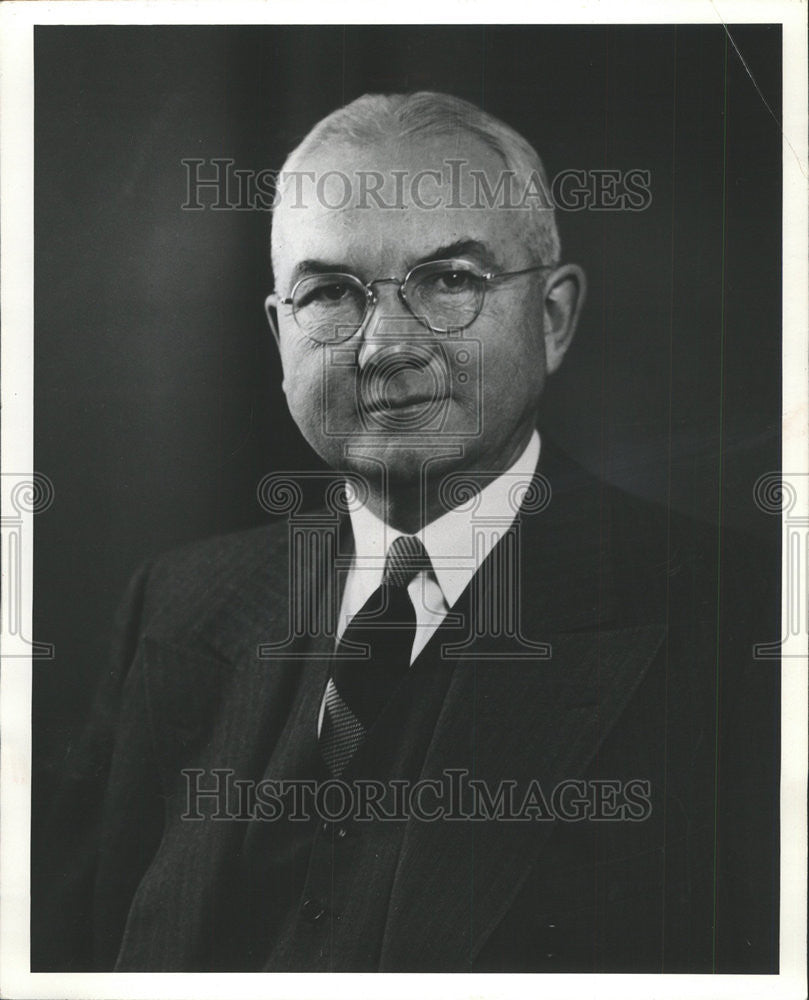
(405, 530)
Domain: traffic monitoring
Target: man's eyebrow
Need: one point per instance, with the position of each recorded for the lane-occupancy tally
(311, 265)
(460, 248)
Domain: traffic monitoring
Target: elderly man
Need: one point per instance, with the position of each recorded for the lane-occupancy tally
(480, 712)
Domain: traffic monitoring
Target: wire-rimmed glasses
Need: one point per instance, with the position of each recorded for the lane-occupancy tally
(443, 295)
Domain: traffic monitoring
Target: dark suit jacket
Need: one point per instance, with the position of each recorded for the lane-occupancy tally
(650, 621)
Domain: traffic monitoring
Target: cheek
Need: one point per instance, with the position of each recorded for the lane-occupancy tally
(319, 384)
(513, 355)
(303, 369)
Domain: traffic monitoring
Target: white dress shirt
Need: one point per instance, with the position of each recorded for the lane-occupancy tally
(457, 543)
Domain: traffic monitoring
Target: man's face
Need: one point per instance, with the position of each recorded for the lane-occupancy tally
(396, 394)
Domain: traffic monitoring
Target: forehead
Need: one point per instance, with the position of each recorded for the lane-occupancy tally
(391, 204)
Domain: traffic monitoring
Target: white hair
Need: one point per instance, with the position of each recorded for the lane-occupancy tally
(374, 118)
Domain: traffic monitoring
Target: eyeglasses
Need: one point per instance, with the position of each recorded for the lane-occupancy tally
(442, 295)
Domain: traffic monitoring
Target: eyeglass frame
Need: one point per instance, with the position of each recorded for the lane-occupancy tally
(372, 299)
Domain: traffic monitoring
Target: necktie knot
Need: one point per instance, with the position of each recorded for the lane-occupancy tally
(406, 558)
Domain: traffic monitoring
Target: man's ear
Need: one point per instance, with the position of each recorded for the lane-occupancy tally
(270, 306)
(565, 290)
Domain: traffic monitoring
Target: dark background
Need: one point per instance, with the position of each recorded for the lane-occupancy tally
(157, 389)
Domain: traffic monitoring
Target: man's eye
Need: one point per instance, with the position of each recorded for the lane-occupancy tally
(329, 293)
(454, 281)
(333, 292)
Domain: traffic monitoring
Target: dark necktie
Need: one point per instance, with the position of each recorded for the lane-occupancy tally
(360, 685)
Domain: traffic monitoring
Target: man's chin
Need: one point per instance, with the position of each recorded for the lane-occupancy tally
(403, 460)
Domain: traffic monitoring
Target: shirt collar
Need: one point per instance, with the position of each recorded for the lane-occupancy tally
(457, 542)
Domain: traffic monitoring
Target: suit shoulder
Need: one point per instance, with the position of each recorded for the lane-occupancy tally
(235, 552)
(208, 583)
(689, 566)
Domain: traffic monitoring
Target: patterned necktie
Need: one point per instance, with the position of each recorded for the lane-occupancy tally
(360, 685)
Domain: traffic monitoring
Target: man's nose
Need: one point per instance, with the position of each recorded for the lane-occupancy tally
(390, 328)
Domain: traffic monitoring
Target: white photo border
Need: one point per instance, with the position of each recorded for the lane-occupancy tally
(17, 21)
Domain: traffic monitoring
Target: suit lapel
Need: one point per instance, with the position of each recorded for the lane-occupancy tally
(511, 718)
(232, 688)
(504, 721)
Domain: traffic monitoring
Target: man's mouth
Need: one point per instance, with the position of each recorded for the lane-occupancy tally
(404, 390)
(391, 404)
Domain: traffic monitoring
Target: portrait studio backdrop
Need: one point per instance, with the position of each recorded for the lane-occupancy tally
(158, 406)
